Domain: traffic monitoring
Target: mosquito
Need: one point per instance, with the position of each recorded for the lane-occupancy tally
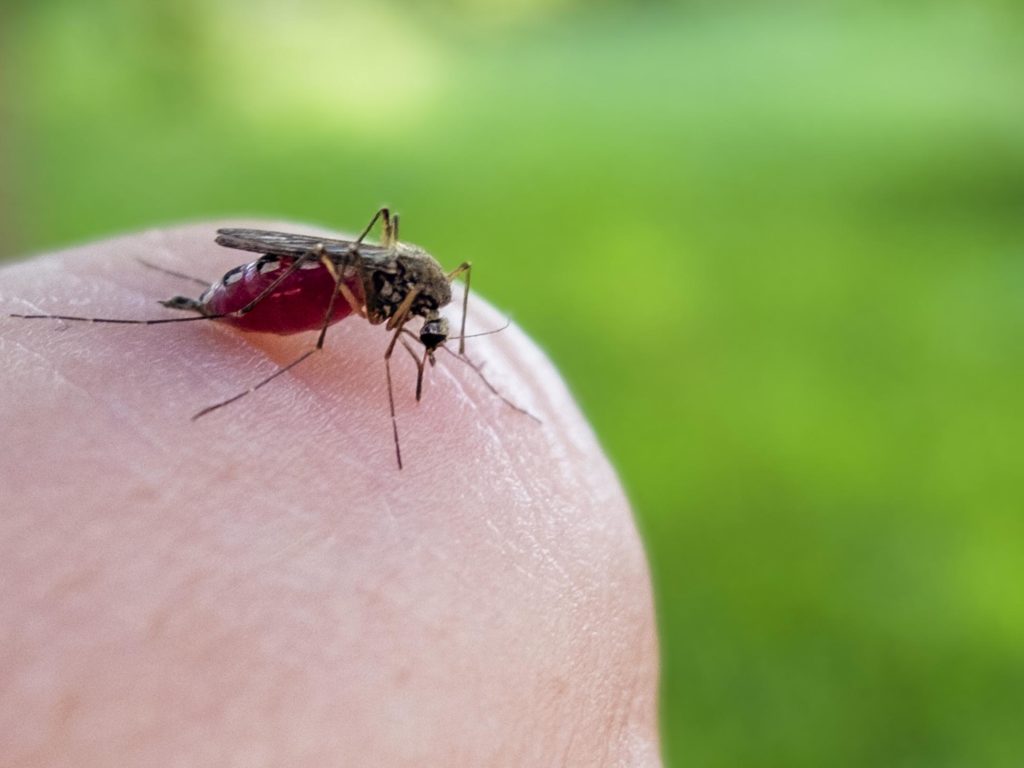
(295, 286)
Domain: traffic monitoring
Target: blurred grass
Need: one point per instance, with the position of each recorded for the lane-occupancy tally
(778, 255)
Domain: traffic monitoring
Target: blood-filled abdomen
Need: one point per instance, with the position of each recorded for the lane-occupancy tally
(298, 304)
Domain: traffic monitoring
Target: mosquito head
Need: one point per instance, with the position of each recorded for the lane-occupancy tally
(434, 333)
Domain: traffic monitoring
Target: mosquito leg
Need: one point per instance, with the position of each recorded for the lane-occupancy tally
(420, 363)
(270, 378)
(118, 321)
(477, 370)
(319, 345)
(427, 354)
(353, 302)
(401, 315)
(391, 398)
(466, 267)
(172, 273)
(391, 231)
(339, 283)
(315, 253)
(391, 405)
(397, 322)
(381, 213)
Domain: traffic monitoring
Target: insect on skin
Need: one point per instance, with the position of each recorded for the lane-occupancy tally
(306, 283)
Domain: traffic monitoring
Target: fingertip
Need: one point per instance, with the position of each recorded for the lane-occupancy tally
(272, 551)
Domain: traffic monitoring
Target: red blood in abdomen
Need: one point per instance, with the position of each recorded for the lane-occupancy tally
(297, 304)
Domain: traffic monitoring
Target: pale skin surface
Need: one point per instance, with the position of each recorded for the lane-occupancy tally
(263, 587)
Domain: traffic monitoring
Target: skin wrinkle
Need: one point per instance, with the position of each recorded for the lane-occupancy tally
(101, 397)
(275, 590)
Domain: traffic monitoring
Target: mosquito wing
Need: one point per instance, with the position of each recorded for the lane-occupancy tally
(291, 245)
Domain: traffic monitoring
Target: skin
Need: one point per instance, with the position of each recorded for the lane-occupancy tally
(263, 586)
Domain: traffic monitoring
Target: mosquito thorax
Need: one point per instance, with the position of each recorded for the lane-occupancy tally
(411, 268)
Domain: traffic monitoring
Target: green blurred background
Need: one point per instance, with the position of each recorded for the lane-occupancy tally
(777, 252)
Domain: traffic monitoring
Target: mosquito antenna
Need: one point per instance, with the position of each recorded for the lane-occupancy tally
(480, 373)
